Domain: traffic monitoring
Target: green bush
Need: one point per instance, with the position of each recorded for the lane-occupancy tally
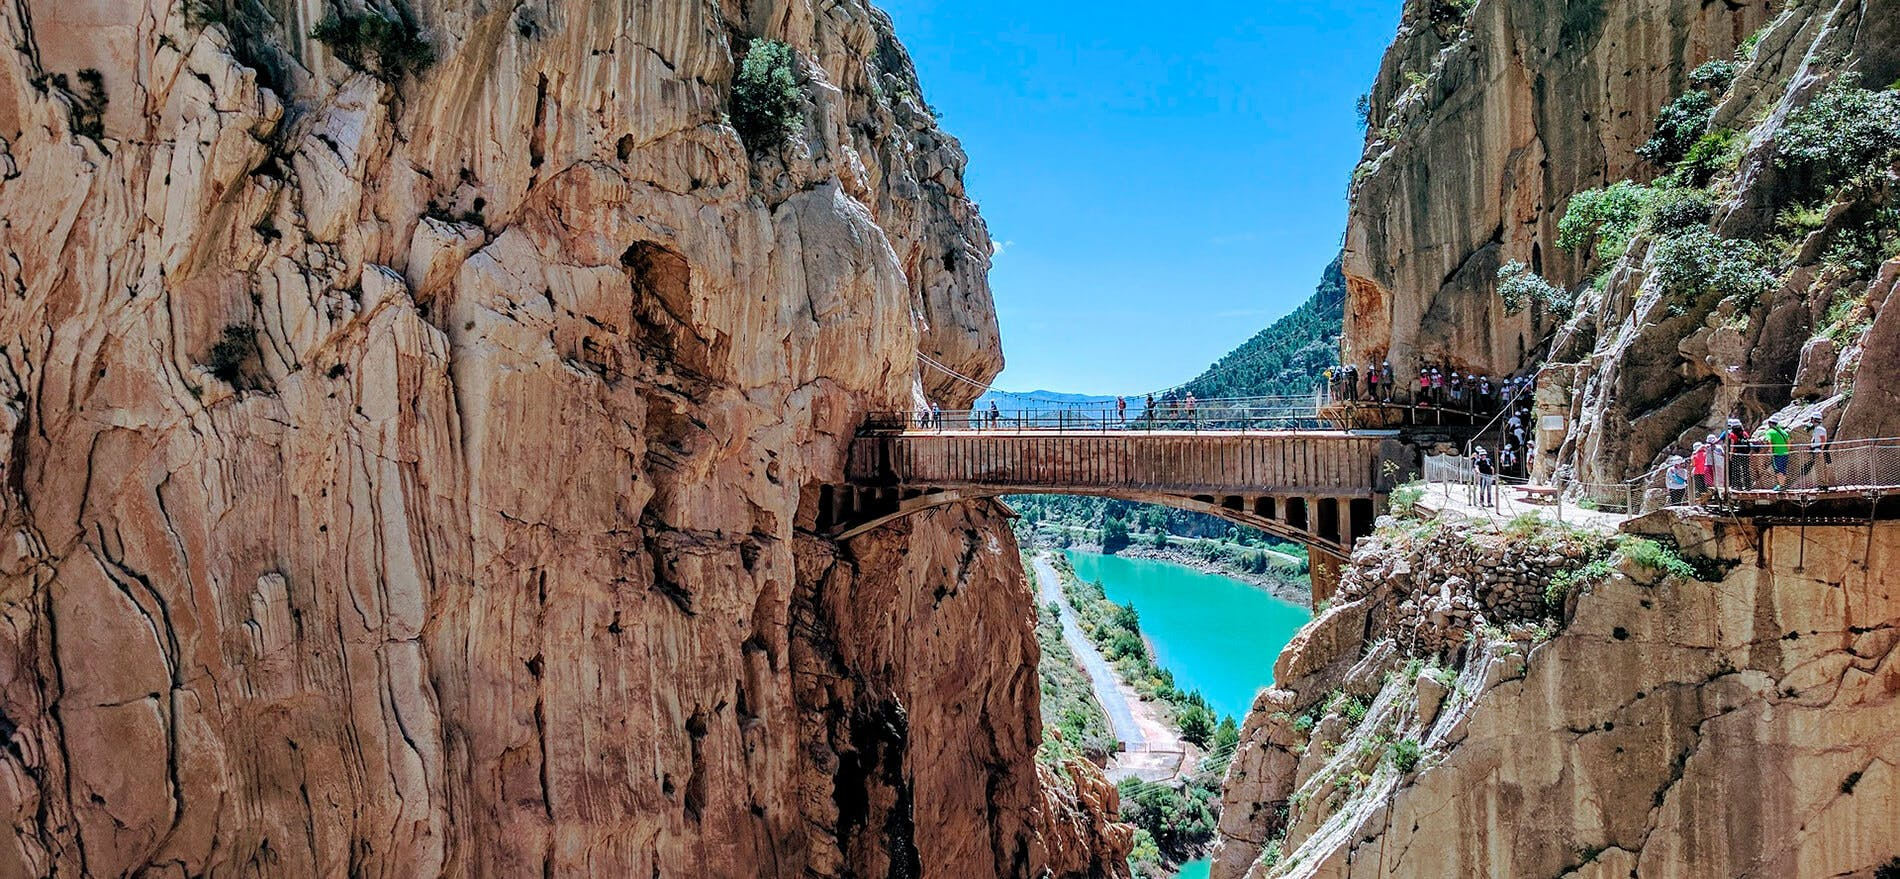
(1653, 555)
(1605, 219)
(1679, 124)
(1197, 725)
(1676, 209)
(1518, 286)
(1697, 263)
(766, 95)
(1713, 153)
(1847, 135)
(1714, 75)
(388, 48)
(1405, 753)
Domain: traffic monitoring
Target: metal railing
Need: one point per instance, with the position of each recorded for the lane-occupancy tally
(1251, 413)
(1755, 472)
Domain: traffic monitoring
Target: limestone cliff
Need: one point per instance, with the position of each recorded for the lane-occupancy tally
(413, 436)
(1425, 726)
(1487, 115)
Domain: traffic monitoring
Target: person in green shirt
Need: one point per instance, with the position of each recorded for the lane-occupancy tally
(1777, 439)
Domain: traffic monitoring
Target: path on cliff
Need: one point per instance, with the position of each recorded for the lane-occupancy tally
(1153, 751)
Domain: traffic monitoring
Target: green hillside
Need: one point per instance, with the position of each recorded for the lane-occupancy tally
(1289, 356)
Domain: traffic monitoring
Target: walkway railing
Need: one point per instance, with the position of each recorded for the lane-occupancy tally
(1844, 469)
(1251, 413)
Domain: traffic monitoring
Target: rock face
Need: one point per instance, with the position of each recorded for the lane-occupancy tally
(1673, 728)
(1481, 127)
(408, 469)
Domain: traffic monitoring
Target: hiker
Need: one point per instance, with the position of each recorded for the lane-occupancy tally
(1352, 383)
(1385, 378)
(1372, 382)
(1507, 461)
(996, 415)
(1741, 475)
(1487, 476)
(1438, 387)
(1699, 475)
(1777, 440)
(1424, 387)
(1484, 393)
(936, 416)
(1121, 410)
(1718, 463)
(1820, 455)
(1332, 387)
(1457, 385)
(1676, 478)
(1190, 410)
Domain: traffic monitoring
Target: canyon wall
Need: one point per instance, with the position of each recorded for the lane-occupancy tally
(1741, 727)
(413, 438)
(1484, 119)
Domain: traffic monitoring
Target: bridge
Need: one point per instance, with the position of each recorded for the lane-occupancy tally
(1323, 488)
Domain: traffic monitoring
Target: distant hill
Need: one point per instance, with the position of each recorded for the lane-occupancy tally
(1289, 356)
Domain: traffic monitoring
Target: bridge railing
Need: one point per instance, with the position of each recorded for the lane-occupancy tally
(1268, 414)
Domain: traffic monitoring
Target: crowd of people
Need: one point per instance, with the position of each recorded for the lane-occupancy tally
(1737, 460)
(1436, 385)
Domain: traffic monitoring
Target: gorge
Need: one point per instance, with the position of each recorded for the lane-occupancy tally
(423, 419)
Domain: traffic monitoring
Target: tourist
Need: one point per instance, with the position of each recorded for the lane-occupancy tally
(1457, 385)
(1718, 463)
(996, 415)
(1487, 476)
(1777, 440)
(1190, 410)
(936, 416)
(1699, 471)
(1438, 387)
(1121, 410)
(1372, 382)
(1507, 461)
(1676, 478)
(1385, 379)
(1424, 387)
(1484, 393)
(1820, 455)
(1741, 472)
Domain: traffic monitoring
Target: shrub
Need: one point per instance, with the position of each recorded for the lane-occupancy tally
(1677, 209)
(1714, 75)
(228, 355)
(1847, 135)
(388, 48)
(1197, 725)
(1518, 286)
(1697, 262)
(1604, 219)
(766, 95)
(1653, 555)
(1405, 753)
(1678, 125)
(1713, 153)
(1405, 499)
(1362, 109)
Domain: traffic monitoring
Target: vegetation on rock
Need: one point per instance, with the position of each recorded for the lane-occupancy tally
(766, 98)
(387, 48)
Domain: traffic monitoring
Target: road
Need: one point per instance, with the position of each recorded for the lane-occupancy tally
(1108, 690)
(1152, 748)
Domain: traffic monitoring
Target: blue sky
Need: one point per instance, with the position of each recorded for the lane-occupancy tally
(1161, 181)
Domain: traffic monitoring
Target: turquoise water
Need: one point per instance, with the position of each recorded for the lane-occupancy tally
(1194, 870)
(1215, 633)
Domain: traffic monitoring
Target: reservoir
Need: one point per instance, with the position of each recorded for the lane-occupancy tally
(1214, 633)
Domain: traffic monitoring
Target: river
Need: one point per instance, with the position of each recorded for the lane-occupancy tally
(1214, 633)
